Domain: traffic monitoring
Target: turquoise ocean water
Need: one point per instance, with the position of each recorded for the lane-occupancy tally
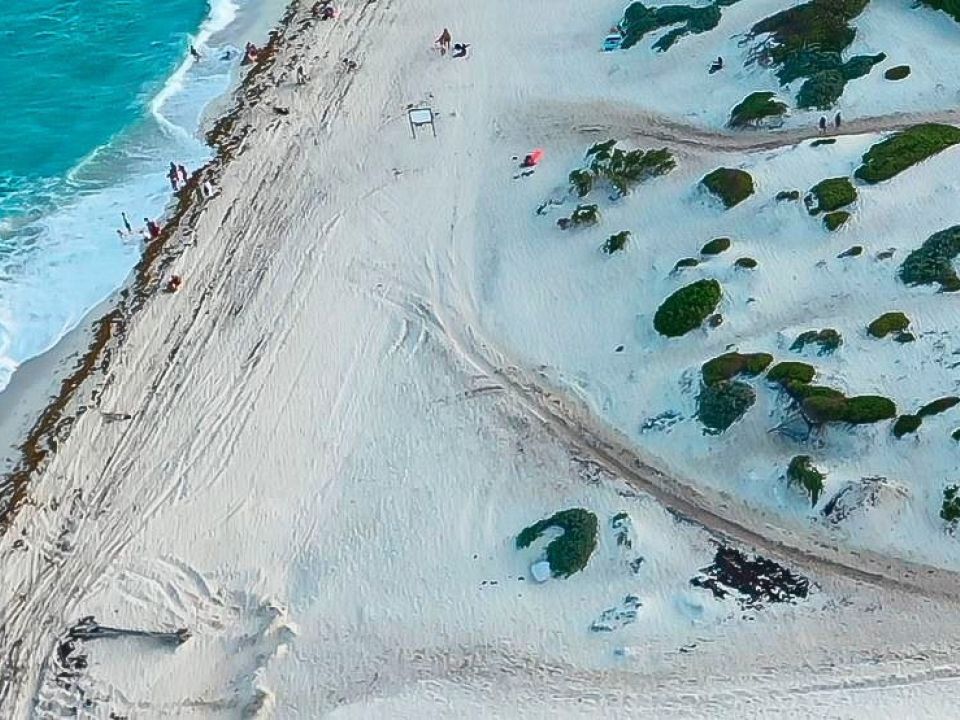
(98, 97)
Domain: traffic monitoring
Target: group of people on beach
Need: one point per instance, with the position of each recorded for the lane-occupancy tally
(457, 50)
(150, 231)
(324, 10)
(837, 120)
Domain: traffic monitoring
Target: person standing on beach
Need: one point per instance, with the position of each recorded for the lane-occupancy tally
(823, 124)
(196, 55)
(183, 173)
(153, 230)
(444, 41)
(174, 177)
(126, 223)
(837, 120)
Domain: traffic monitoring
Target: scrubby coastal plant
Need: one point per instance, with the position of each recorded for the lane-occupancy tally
(938, 406)
(570, 552)
(621, 169)
(716, 246)
(950, 509)
(638, 20)
(731, 185)
(906, 424)
(905, 149)
(897, 73)
(857, 410)
(932, 262)
(755, 108)
(745, 263)
(956, 434)
(831, 194)
(855, 251)
(827, 339)
(684, 263)
(582, 215)
(823, 141)
(687, 308)
(730, 365)
(788, 195)
(950, 7)
(616, 243)
(790, 372)
(723, 403)
(888, 323)
(802, 472)
(834, 220)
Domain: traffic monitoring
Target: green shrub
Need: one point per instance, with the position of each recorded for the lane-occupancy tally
(891, 322)
(582, 182)
(904, 149)
(639, 20)
(683, 263)
(729, 365)
(858, 410)
(835, 219)
(723, 403)
(855, 251)
(802, 472)
(616, 243)
(897, 73)
(950, 510)
(687, 308)
(788, 195)
(716, 246)
(950, 7)
(570, 552)
(732, 186)
(827, 339)
(755, 108)
(622, 169)
(823, 141)
(956, 434)
(938, 406)
(932, 262)
(833, 194)
(906, 424)
(789, 371)
(746, 263)
(801, 391)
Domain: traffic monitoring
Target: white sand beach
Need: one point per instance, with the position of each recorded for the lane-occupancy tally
(316, 455)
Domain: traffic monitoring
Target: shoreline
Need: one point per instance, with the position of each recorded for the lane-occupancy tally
(30, 431)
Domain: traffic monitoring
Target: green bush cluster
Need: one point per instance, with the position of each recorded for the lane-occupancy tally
(906, 424)
(950, 510)
(834, 220)
(684, 263)
(888, 323)
(823, 141)
(950, 7)
(731, 185)
(729, 365)
(832, 194)
(716, 246)
(956, 434)
(857, 410)
(582, 215)
(855, 251)
(755, 108)
(897, 73)
(827, 339)
(938, 406)
(638, 20)
(932, 262)
(802, 472)
(905, 149)
(788, 195)
(746, 263)
(570, 552)
(622, 169)
(687, 308)
(723, 403)
(616, 243)
(791, 372)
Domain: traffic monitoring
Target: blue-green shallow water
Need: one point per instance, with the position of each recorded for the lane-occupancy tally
(98, 96)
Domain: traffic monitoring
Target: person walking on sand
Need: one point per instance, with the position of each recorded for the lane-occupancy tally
(194, 54)
(126, 223)
(301, 76)
(182, 171)
(837, 120)
(174, 177)
(443, 42)
(823, 124)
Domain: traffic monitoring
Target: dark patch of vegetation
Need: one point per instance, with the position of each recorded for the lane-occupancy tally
(897, 73)
(956, 434)
(832, 194)
(616, 243)
(723, 403)
(801, 391)
(857, 410)
(950, 510)
(886, 254)
(715, 320)
(932, 262)
(938, 406)
(834, 220)
(582, 215)
(906, 424)
(827, 339)
(789, 371)
(569, 552)
(684, 263)
(904, 337)
(621, 169)
(687, 308)
(716, 246)
(802, 472)
(854, 251)
(755, 108)
(729, 365)
(731, 185)
(746, 263)
(891, 322)
(757, 581)
(788, 195)
(823, 141)
(950, 7)
(824, 88)
(905, 149)
(638, 20)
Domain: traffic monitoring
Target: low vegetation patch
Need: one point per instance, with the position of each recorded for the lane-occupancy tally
(827, 340)
(618, 168)
(731, 185)
(684, 263)
(897, 73)
(801, 472)
(834, 220)
(687, 308)
(905, 149)
(906, 424)
(582, 215)
(570, 552)
(791, 372)
(938, 406)
(721, 404)
(639, 20)
(788, 195)
(831, 194)
(855, 251)
(956, 434)
(857, 410)
(730, 365)
(950, 509)
(933, 261)
(950, 7)
(716, 246)
(616, 243)
(888, 323)
(745, 263)
(755, 108)
(823, 141)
